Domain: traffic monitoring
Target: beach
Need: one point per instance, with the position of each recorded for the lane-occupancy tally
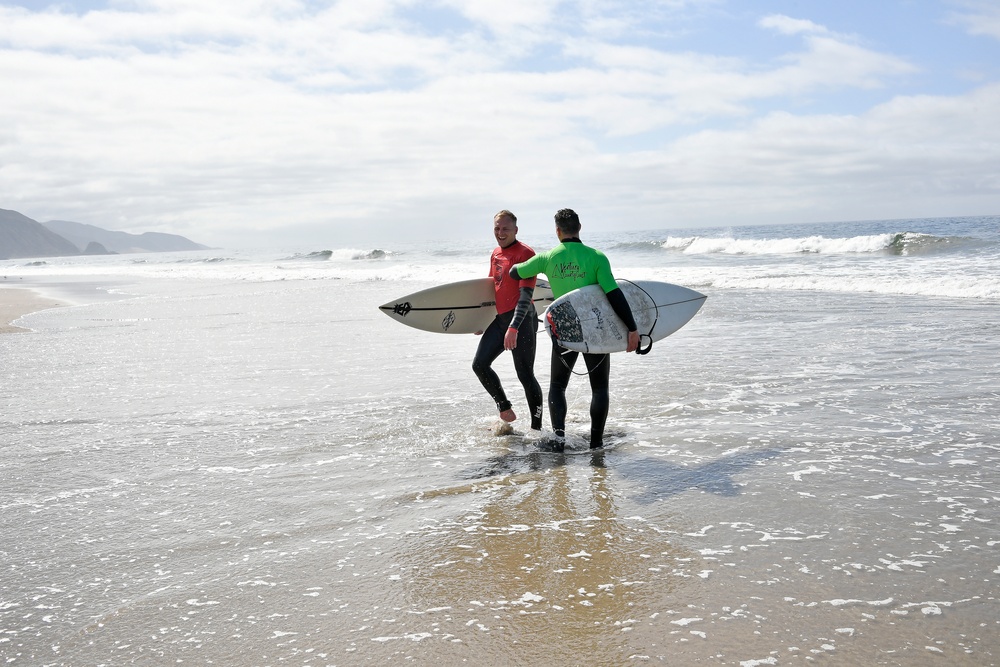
(15, 302)
(239, 460)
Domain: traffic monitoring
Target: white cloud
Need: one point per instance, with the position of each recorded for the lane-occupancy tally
(504, 17)
(789, 26)
(912, 156)
(225, 118)
(831, 63)
(981, 17)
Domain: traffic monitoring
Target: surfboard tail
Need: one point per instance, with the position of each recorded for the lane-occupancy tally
(564, 323)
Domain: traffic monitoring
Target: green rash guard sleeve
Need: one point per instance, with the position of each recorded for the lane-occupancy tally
(604, 276)
(530, 268)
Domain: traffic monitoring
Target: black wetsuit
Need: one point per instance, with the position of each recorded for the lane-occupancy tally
(569, 266)
(491, 346)
(599, 374)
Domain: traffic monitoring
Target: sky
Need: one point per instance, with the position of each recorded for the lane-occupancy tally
(319, 123)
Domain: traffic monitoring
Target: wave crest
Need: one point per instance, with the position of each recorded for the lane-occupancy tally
(899, 243)
(377, 253)
(319, 255)
(340, 254)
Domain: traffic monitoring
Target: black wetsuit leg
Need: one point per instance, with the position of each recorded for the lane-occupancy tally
(599, 367)
(524, 364)
(561, 368)
(490, 347)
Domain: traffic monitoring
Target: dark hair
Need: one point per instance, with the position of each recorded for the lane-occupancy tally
(568, 221)
(505, 214)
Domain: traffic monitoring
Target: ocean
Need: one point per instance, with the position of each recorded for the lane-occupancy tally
(234, 458)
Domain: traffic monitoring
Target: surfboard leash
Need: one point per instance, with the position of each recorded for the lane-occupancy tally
(565, 351)
(656, 318)
(589, 370)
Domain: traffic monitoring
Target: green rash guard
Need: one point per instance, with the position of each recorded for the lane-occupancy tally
(569, 266)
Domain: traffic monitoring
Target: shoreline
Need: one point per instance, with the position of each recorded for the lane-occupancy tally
(16, 302)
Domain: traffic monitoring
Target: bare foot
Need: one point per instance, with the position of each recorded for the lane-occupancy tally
(508, 415)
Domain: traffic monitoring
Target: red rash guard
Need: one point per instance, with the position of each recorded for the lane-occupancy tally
(507, 289)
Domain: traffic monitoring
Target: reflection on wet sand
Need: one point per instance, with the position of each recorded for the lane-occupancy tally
(544, 567)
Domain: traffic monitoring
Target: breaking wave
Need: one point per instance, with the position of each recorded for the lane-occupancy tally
(319, 255)
(341, 254)
(899, 243)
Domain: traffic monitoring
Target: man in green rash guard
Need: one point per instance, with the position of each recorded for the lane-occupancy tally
(569, 266)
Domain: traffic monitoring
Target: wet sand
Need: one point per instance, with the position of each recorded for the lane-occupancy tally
(17, 302)
(208, 474)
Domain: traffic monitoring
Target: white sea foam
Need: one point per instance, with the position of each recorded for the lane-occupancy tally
(864, 263)
(700, 245)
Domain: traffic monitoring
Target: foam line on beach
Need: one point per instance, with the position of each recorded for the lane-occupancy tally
(16, 302)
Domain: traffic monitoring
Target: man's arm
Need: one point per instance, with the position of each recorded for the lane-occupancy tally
(620, 305)
(523, 304)
(529, 268)
(617, 299)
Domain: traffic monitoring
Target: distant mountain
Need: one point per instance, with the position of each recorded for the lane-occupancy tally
(83, 235)
(95, 248)
(20, 236)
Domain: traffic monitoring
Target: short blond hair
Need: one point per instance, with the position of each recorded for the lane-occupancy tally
(505, 213)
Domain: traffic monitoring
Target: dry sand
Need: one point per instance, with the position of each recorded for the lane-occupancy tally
(15, 302)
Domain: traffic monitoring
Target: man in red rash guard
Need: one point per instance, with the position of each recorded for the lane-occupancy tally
(514, 326)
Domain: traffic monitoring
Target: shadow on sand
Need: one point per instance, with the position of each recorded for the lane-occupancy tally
(661, 478)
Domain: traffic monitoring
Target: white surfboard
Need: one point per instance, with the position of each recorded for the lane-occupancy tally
(583, 320)
(464, 307)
